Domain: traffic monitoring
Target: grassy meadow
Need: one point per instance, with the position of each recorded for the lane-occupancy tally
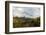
(19, 22)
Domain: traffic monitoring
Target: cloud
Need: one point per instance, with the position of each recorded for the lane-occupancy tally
(26, 11)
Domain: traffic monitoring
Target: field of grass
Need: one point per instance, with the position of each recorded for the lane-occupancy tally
(26, 22)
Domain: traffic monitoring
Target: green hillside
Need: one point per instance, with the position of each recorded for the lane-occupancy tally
(26, 22)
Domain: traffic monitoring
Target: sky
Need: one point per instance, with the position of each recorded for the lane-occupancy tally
(26, 11)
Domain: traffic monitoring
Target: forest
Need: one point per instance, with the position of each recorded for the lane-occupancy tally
(19, 22)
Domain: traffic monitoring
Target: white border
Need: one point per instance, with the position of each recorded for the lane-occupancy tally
(11, 29)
